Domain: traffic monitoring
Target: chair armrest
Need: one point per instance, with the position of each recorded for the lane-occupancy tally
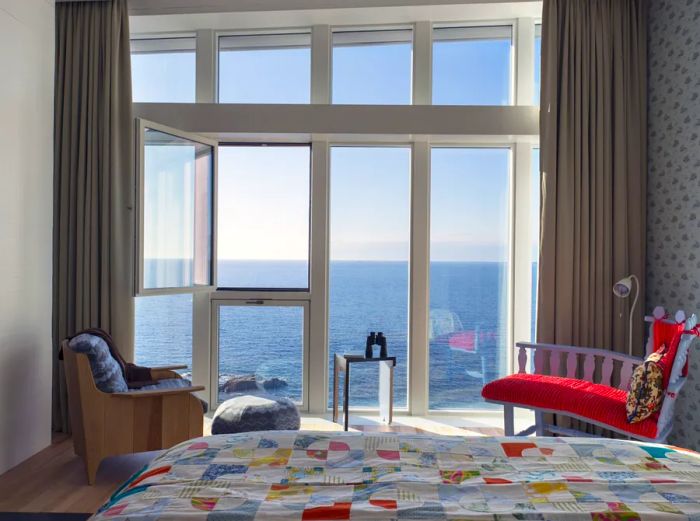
(164, 374)
(169, 367)
(158, 392)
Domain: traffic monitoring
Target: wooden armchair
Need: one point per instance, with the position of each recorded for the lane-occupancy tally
(110, 424)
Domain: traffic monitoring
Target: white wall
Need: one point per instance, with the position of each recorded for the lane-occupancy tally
(26, 187)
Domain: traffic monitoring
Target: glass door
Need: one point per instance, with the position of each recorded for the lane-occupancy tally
(260, 346)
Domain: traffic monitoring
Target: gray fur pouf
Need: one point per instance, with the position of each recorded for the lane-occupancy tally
(260, 412)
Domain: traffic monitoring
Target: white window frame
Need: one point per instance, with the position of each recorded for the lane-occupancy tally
(230, 301)
(369, 133)
(260, 36)
(488, 30)
(140, 289)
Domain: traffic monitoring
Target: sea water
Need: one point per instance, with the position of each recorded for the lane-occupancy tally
(467, 327)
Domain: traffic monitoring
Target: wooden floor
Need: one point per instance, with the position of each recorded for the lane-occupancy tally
(54, 479)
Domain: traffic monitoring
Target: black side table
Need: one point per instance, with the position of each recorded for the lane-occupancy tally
(341, 364)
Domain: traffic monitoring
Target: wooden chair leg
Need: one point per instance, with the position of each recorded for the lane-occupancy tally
(91, 466)
(508, 420)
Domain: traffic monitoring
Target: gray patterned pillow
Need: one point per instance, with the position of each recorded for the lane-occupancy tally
(105, 369)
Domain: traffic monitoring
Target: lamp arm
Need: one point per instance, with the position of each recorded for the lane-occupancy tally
(634, 303)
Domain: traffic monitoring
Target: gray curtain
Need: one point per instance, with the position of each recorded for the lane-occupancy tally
(93, 180)
(593, 163)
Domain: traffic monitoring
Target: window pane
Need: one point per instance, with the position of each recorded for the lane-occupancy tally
(177, 186)
(369, 249)
(164, 331)
(372, 67)
(163, 70)
(471, 65)
(265, 68)
(469, 241)
(261, 348)
(538, 63)
(535, 234)
(264, 216)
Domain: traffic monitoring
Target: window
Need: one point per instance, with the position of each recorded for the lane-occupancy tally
(264, 216)
(472, 65)
(163, 70)
(164, 330)
(176, 211)
(270, 68)
(261, 347)
(372, 67)
(535, 234)
(469, 241)
(369, 233)
(538, 63)
(279, 239)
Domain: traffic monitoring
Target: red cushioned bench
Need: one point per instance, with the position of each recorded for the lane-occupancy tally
(563, 383)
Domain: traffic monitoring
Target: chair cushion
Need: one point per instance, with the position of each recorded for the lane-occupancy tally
(600, 403)
(106, 372)
(646, 389)
(259, 412)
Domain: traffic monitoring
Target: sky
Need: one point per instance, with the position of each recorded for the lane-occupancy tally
(264, 191)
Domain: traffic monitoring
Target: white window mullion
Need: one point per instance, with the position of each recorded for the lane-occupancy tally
(524, 61)
(321, 64)
(422, 63)
(205, 85)
(318, 319)
(419, 286)
(522, 263)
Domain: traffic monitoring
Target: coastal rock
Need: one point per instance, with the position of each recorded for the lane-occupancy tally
(237, 384)
(249, 382)
(274, 383)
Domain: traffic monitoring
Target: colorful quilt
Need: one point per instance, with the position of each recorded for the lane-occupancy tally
(318, 476)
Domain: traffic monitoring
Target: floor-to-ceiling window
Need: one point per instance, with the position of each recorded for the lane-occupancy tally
(469, 253)
(369, 255)
(308, 240)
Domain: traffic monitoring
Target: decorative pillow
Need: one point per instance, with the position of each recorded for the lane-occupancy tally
(646, 389)
(105, 370)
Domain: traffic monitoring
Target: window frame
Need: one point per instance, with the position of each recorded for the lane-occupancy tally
(237, 301)
(273, 291)
(372, 133)
(164, 37)
(371, 143)
(140, 290)
(350, 29)
(260, 33)
(487, 26)
(511, 147)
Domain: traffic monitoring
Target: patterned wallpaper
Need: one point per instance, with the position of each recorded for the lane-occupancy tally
(673, 202)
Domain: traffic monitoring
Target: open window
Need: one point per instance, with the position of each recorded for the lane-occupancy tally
(176, 179)
(176, 218)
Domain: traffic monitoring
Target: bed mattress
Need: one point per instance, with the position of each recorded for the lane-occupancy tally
(283, 475)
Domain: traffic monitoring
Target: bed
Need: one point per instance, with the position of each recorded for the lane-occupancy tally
(285, 475)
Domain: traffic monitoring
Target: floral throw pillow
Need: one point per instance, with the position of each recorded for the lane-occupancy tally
(646, 389)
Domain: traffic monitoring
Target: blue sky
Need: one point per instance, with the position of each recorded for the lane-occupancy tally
(264, 191)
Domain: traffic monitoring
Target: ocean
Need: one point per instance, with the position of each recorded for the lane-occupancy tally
(467, 327)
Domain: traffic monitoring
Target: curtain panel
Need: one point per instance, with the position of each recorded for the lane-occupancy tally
(593, 168)
(593, 164)
(93, 180)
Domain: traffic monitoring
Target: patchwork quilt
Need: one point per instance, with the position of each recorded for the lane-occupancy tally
(317, 476)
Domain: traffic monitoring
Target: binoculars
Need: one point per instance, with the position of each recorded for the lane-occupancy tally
(376, 339)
